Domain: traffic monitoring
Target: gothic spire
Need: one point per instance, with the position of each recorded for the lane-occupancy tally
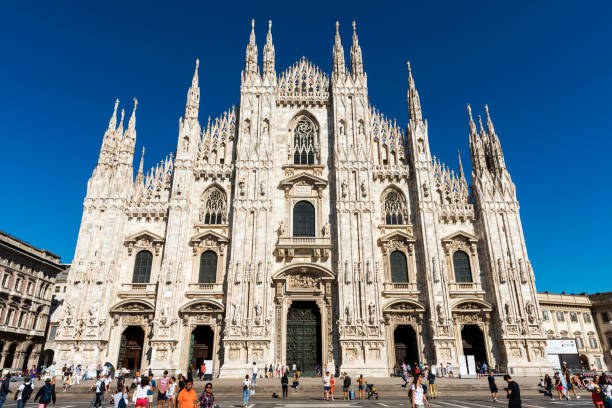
(250, 64)
(497, 155)
(414, 103)
(490, 127)
(129, 138)
(462, 175)
(339, 69)
(193, 96)
(112, 123)
(140, 175)
(472, 124)
(119, 129)
(356, 60)
(268, 53)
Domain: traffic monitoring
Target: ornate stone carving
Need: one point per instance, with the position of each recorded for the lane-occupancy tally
(303, 281)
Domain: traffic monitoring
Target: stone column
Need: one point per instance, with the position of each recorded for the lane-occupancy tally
(3, 358)
(215, 352)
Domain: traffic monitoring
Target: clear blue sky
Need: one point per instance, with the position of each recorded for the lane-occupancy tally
(543, 68)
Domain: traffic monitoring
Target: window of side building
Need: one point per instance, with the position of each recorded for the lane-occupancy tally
(573, 317)
(560, 317)
(579, 342)
(545, 314)
(52, 331)
(586, 317)
(593, 342)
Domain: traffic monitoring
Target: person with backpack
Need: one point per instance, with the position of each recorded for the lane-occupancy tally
(46, 394)
(4, 389)
(121, 397)
(431, 379)
(100, 388)
(346, 386)
(24, 392)
(605, 390)
(417, 393)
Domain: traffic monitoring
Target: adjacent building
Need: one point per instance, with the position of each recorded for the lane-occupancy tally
(570, 317)
(27, 278)
(302, 227)
(602, 314)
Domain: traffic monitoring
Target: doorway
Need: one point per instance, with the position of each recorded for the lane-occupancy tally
(8, 360)
(130, 351)
(473, 343)
(26, 358)
(201, 346)
(406, 346)
(304, 337)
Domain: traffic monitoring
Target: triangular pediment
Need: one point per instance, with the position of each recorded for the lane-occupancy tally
(208, 236)
(303, 178)
(400, 236)
(460, 235)
(144, 235)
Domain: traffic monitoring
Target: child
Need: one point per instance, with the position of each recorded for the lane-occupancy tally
(332, 386)
(172, 393)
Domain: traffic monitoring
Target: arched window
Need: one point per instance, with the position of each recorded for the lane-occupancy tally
(142, 267)
(304, 142)
(208, 267)
(399, 270)
(214, 210)
(303, 219)
(461, 264)
(394, 208)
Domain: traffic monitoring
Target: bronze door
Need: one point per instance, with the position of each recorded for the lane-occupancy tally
(304, 337)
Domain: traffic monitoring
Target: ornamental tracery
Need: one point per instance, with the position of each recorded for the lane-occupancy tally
(214, 210)
(304, 142)
(394, 208)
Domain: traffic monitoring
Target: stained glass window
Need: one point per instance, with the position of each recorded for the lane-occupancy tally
(303, 219)
(399, 269)
(303, 143)
(461, 263)
(142, 267)
(208, 267)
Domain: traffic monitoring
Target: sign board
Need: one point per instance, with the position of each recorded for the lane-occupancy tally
(471, 364)
(209, 367)
(462, 367)
(564, 346)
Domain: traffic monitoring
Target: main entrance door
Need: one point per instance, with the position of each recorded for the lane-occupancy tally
(201, 346)
(406, 347)
(304, 336)
(130, 351)
(473, 343)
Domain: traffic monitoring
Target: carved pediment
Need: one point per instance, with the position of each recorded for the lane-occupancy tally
(472, 305)
(144, 239)
(208, 239)
(315, 182)
(405, 306)
(396, 239)
(202, 306)
(133, 306)
(462, 236)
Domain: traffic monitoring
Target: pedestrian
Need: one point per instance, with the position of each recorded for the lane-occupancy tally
(362, 386)
(493, 386)
(151, 390)
(270, 371)
(121, 397)
(172, 393)
(285, 385)
(296, 382)
(449, 367)
(99, 386)
(417, 393)
(431, 379)
(246, 390)
(278, 371)
(141, 393)
(405, 374)
(548, 386)
(46, 394)
(570, 386)
(187, 398)
(207, 399)
(4, 388)
(605, 389)
(559, 386)
(162, 387)
(254, 374)
(485, 367)
(332, 386)
(326, 386)
(23, 392)
(513, 392)
(181, 383)
(77, 373)
(202, 371)
(346, 386)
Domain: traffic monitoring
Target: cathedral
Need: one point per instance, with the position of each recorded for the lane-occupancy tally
(305, 227)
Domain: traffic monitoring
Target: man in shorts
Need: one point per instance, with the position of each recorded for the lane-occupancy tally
(492, 386)
(162, 388)
(153, 386)
(346, 386)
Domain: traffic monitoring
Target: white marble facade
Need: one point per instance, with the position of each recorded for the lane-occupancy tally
(230, 191)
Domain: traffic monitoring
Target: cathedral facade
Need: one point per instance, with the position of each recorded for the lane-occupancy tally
(302, 227)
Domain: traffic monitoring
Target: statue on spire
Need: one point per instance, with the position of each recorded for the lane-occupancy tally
(339, 68)
(250, 64)
(356, 59)
(414, 103)
(193, 96)
(268, 54)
